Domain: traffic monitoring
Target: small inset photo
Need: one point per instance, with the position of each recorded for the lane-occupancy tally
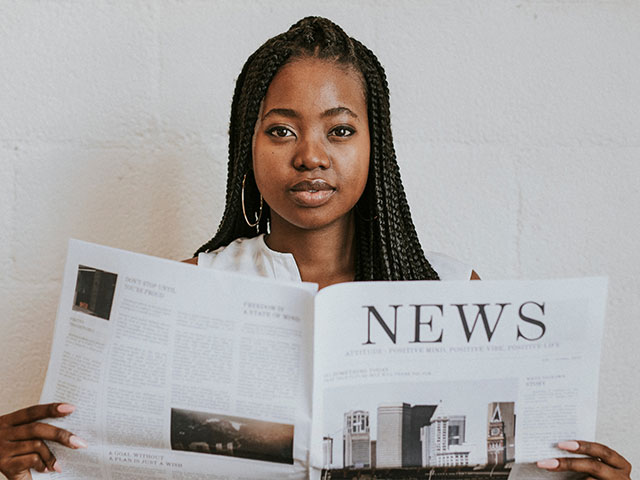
(231, 436)
(94, 292)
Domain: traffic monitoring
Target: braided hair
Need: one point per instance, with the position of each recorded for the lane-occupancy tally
(387, 246)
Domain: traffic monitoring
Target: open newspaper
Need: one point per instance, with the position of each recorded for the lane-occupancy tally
(181, 372)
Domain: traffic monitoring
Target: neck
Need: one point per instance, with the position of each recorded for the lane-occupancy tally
(324, 256)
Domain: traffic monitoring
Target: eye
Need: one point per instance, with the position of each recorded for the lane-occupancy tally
(342, 131)
(280, 132)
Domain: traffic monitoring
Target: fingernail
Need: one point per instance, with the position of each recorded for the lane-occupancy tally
(572, 445)
(77, 442)
(56, 467)
(548, 463)
(66, 408)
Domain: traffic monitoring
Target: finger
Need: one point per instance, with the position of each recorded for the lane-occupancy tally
(21, 464)
(33, 446)
(43, 431)
(597, 450)
(35, 413)
(590, 466)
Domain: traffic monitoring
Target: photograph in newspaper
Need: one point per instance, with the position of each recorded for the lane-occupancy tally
(94, 292)
(395, 426)
(231, 436)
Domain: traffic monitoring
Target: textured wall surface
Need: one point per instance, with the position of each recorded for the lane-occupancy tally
(517, 126)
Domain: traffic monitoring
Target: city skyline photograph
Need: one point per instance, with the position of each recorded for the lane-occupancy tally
(441, 408)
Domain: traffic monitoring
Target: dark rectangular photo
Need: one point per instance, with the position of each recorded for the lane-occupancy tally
(231, 436)
(94, 292)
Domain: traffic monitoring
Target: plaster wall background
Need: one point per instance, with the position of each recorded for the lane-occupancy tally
(516, 123)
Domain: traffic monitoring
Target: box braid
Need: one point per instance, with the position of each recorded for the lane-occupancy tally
(387, 244)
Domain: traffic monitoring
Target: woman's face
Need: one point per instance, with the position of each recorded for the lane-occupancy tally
(311, 144)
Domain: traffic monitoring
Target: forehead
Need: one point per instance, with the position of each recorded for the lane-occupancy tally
(312, 83)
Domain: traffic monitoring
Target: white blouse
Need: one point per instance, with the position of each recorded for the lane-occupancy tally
(252, 256)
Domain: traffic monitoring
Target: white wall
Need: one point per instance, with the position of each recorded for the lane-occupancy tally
(517, 126)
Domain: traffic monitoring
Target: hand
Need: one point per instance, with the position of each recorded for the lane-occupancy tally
(21, 440)
(602, 463)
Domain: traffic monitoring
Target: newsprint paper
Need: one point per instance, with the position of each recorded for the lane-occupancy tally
(184, 373)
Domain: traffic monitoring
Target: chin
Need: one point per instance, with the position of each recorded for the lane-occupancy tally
(316, 220)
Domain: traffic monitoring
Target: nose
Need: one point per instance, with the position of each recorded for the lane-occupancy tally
(311, 154)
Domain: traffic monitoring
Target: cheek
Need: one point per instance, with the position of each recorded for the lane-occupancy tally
(364, 175)
(257, 154)
(271, 177)
(364, 153)
(265, 178)
(263, 165)
(362, 166)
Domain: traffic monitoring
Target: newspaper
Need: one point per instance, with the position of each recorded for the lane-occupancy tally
(184, 373)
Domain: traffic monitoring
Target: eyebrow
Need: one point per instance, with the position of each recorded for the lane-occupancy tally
(332, 112)
(285, 112)
(289, 113)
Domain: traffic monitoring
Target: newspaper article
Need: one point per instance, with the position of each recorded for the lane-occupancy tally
(172, 368)
(185, 373)
(453, 374)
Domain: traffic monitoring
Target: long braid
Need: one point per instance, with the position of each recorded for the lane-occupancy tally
(386, 240)
(401, 250)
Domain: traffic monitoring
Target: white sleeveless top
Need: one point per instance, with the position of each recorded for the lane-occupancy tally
(252, 256)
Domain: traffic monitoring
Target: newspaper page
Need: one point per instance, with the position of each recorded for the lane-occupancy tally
(471, 376)
(179, 372)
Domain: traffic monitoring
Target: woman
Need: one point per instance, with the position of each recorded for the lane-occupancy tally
(312, 166)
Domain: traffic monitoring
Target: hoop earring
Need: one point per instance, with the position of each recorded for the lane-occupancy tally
(244, 212)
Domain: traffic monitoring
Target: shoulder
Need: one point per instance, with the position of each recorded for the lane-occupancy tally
(240, 251)
(235, 248)
(234, 252)
(448, 268)
(251, 256)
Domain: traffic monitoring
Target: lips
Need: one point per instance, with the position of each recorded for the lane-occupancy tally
(312, 186)
(312, 193)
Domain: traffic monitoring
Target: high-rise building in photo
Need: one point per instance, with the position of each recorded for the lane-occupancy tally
(398, 439)
(327, 452)
(356, 438)
(389, 438)
(373, 453)
(501, 433)
(443, 442)
(456, 430)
